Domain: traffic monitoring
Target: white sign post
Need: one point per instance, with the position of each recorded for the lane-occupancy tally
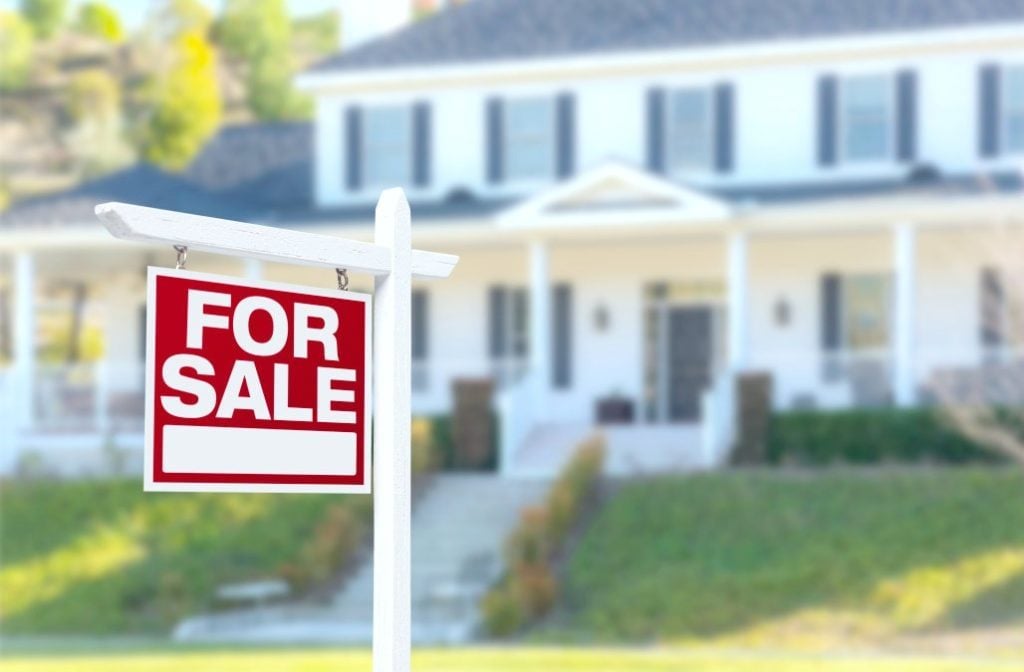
(394, 263)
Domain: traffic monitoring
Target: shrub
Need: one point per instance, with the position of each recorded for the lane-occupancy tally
(536, 588)
(503, 611)
(529, 542)
(425, 452)
(868, 437)
(334, 540)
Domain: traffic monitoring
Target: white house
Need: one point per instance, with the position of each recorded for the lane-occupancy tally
(649, 198)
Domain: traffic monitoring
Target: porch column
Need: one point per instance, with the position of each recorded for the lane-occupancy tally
(24, 337)
(540, 326)
(737, 293)
(904, 264)
(253, 269)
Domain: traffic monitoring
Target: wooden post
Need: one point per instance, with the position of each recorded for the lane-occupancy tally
(392, 360)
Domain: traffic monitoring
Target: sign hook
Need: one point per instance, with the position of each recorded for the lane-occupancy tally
(342, 278)
(182, 251)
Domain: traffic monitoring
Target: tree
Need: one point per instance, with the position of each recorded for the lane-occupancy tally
(46, 16)
(258, 32)
(177, 17)
(186, 105)
(15, 51)
(97, 137)
(100, 20)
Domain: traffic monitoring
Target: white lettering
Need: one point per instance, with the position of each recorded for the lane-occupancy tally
(206, 396)
(327, 396)
(198, 319)
(242, 327)
(282, 410)
(244, 373)
(326, 334)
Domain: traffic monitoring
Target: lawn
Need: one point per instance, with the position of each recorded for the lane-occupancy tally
(899, 558)
(496, 660)
(100, 556)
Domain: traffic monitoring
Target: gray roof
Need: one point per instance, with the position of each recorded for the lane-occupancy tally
(492, 30)
(141, 184)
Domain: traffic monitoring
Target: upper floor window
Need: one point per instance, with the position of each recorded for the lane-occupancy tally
(387, 145)
(1013, 108)
(690, 130)
(866, 115)
(529, 140)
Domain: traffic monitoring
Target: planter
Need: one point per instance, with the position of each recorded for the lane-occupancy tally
(615, 411)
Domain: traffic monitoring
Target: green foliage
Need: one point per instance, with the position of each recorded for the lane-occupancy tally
(45, 16)
(93, 93)
(103, 557)
(503, 611)
(100, 20)
(15, 50)
(742, 555)
(868, 436)
(186, 105)
(317, 34)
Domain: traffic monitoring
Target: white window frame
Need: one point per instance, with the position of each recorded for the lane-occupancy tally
(367, 149)
(1004, 110)
(890, 121)
(668, 130)
(508, 142)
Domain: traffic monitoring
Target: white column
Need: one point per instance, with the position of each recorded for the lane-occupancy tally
(253, 269)
(904, 254)
(24, 337)
(540, 326)
(392, 360)
(737, 278)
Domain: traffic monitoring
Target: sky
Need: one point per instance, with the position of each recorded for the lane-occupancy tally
(133, 12)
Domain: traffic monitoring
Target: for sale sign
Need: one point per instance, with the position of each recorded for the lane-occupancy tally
(255, 386)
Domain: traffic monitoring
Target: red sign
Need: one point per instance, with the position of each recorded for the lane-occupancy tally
(255, 386)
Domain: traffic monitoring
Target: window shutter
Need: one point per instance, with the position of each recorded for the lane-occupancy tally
(562, 345)
(830, 312)
(495, 142)
(656, 130)
(827, 120)
(354, 145)
(420, 343)
(723, 128)
(988, 110)
(421, 127)
(906, 102)
(496, 311)
(991, 308)
(566, 134)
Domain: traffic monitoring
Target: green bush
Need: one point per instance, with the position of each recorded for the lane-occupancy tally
(869, 437)
(503, 611)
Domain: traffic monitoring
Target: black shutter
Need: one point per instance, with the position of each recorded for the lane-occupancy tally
(562, 343)
(830, 312)
(827, 120)
(520, 323)
(988, 110)
(566, 134)
(354, 146)
(724, 128)
(906, 103)
(420, 341)
(495, 142)
(496, 311)
(656, 130)
(421, 134)
(991, 308)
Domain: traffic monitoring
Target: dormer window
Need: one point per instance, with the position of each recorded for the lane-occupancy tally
(690, 130)
(866, 118)
(1013, 109)
(387, 145)
(529, 138)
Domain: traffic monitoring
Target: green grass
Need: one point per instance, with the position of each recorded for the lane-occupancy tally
(102, 557)
(834, 558)
(497, 660)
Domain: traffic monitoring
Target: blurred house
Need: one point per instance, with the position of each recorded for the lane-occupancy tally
(649, 197)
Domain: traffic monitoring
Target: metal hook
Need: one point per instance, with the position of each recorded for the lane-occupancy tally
(342, 278)
(182, 251)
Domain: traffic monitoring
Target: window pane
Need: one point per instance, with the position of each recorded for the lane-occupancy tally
(866, 114)
(529, 138)
(865, 305)
(689, 129)
(387, 139)
(1014, 107)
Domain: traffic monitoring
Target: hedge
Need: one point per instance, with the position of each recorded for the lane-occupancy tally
(869, 437)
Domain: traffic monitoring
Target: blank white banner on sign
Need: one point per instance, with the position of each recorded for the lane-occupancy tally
(233, 450)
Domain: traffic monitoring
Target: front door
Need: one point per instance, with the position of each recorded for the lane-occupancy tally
(689, 360)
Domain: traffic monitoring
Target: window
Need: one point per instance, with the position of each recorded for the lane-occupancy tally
(864, 312)
(529, 138)
(420, 340)
(387, 145)
(866, 117)
(1001, 311)
(1013, 109)
(509, 331)
(690, 130)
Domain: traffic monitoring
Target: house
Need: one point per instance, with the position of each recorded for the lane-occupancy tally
(650, 198)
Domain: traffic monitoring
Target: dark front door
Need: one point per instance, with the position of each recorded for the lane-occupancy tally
(689, 360)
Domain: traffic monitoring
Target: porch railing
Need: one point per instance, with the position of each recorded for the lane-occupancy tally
(88, 397)
(718, 419)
